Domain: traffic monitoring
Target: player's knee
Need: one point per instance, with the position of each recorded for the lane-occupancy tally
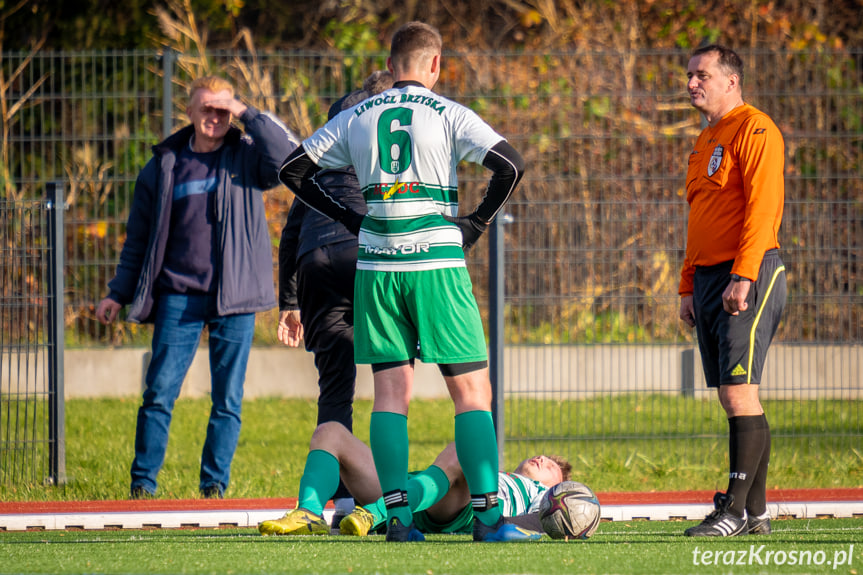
(740, 399)
(448, 461)
(328, 434)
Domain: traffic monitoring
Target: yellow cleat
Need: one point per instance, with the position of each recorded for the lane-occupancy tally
(358, 522)
(296, 522)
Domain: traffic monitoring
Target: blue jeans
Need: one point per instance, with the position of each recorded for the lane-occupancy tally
(179, 321)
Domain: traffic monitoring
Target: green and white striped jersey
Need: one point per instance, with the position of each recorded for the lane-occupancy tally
(405, 144)
(518, 494)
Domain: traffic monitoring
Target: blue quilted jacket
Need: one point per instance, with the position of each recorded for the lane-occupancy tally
(248, 166)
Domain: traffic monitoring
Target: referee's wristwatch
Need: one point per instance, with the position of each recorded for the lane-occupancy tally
(737, 278)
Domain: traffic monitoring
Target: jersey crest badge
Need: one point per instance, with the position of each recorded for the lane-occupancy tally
(715, 160)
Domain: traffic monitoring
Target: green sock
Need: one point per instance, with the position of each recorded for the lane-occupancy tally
(476, 446)
(319, 481)
(424, 490)
(388, 437)
(427, 487)
(378, 511)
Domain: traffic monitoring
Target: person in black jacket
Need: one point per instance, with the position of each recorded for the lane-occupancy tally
(317, 264)
(197, 254)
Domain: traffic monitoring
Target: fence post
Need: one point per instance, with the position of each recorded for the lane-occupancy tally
(168, 92)
(56, 205)
(495, 325)
(687, 372)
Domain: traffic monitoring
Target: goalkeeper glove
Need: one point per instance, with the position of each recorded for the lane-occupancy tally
(471, 228)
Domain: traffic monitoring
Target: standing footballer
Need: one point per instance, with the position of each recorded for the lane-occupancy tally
(413, 294)
(732, 285)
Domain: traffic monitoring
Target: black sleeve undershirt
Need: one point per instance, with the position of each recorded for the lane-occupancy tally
(502, 159)
(507, 168)
(299, 167)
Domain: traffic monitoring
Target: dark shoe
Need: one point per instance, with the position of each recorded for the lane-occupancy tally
(344, 507)
(337, 520)
(759, 525)
(396, 531)
(139, 492)
(211, 492)
(720, 522)
(502, 532)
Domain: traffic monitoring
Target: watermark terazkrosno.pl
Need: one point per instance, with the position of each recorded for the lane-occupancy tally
(762, 555)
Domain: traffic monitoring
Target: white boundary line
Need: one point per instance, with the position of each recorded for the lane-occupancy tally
(690, 511)
(139, 519)
(251, 518)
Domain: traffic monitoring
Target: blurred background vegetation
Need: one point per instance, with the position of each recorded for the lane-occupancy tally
(590, 91)
(366, 25)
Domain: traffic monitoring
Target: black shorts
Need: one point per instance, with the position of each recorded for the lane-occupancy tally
(733, 347)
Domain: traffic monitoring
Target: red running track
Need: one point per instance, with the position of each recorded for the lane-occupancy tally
(630, 498)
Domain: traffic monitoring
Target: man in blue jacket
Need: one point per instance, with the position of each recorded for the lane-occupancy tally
(197, 253)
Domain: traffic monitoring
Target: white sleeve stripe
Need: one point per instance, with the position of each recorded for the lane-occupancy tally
(324, 193)
(511, 188)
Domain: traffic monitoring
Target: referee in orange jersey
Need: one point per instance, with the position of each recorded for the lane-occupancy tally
(732, 285)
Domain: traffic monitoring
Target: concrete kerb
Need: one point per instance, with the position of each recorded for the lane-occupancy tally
(562, 372)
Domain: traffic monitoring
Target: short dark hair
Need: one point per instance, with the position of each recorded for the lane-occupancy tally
(347, 101)
(378, 81)
(729, 60)
(412, 41)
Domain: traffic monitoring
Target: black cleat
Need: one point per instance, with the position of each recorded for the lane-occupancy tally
(211, 492)
(397, 531)
(337, 520)
(759, 525)
(139, 492)
(720, 522)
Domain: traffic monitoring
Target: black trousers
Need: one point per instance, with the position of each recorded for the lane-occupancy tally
(325, 289)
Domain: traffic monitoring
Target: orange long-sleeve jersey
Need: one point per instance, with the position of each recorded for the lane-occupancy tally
(736, 192)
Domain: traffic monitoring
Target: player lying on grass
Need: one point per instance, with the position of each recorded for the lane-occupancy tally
(438, 496)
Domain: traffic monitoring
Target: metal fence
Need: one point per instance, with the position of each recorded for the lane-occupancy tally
(593, 350)
(32, 410)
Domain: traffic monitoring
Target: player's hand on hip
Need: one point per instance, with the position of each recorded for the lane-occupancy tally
(290, 330)
(687, 310)
(734, 296)
(471, 228)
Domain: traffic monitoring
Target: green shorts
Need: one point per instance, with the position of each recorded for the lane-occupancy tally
(430, 315)
(461, 523)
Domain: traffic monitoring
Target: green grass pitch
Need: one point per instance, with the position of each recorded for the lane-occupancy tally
(639, 547)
